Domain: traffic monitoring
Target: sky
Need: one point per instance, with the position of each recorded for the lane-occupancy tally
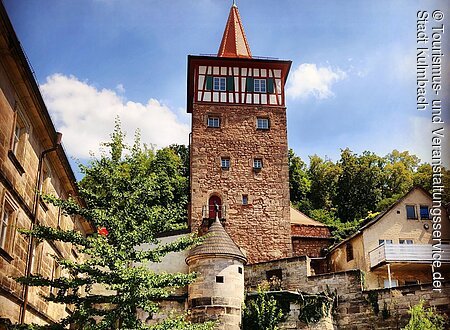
(352, 81)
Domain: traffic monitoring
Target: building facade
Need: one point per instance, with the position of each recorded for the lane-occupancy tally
(31, 159)
(239, 146)
(398, 246)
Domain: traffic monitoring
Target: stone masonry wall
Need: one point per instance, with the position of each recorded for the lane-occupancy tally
(264, 221)
(309, 246)
(355, 307)
(18, 174)
(210, 299)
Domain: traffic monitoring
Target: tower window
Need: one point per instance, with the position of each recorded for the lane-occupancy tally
(260, 86)
(411, 212)
(213, 122)
(219, 279)
(262, 123)
(240, 270)
(219, 84)
(225, 163)
(257, 164)
(244, 199)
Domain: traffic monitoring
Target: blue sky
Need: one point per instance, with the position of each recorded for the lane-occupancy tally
(352, 81)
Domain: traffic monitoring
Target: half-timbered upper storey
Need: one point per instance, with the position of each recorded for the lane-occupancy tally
(236, 80)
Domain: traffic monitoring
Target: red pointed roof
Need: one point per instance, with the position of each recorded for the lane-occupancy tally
(234, 43)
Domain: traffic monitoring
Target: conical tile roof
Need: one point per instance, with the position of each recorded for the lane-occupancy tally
(234, 42)
(217, 243)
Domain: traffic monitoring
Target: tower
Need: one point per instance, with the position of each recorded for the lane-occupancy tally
(239, 145)
(218, 292)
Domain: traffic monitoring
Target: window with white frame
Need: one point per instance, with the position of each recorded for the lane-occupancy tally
(8, 213)
(213, 121)
(19, 137)
(220, 84)
(6, 220)
(262, 123)
(260, 86)
(257, 163)
(225, 162)
(406, 241)
(384, 241)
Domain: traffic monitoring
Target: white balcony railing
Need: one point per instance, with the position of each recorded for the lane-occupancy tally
(413, 253)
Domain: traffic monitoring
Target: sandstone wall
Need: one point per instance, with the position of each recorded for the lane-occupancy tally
(21, 106)
(211, 299)
(262, 227)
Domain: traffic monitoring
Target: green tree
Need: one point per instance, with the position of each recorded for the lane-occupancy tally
(424, 318)
(299, 183)
(423, 176)
(324, 176)
(398, 172)
(131, 195)
(262, 312)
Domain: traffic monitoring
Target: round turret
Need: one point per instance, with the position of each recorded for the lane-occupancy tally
(218, 292)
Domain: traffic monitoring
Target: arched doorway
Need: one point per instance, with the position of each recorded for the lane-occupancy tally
(213, 201)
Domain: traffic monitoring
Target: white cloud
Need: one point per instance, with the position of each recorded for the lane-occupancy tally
(85, 115)
(120, 88)
(309, 80)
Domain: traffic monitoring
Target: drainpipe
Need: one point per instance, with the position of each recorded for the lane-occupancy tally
(23, 307)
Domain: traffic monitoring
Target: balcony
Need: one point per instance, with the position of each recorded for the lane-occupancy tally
(209, 212)
(407, 253)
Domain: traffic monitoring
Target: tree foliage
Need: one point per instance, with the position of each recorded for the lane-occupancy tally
(424, 318)
(344, 193)
(262, 312)
(131, 195)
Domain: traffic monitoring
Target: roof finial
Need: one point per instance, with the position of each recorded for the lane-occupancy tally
(234, 3)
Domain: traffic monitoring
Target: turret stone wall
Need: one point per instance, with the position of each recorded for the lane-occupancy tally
(218, 292)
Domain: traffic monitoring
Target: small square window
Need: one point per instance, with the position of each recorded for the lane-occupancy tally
(244, 199)
(225, 163)
(220, 84)
(260, 86)
(411, 212)
(213, 122)
(262, 123)
(257, 163)
(219, 279)
(240, 270)
(424, 212)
